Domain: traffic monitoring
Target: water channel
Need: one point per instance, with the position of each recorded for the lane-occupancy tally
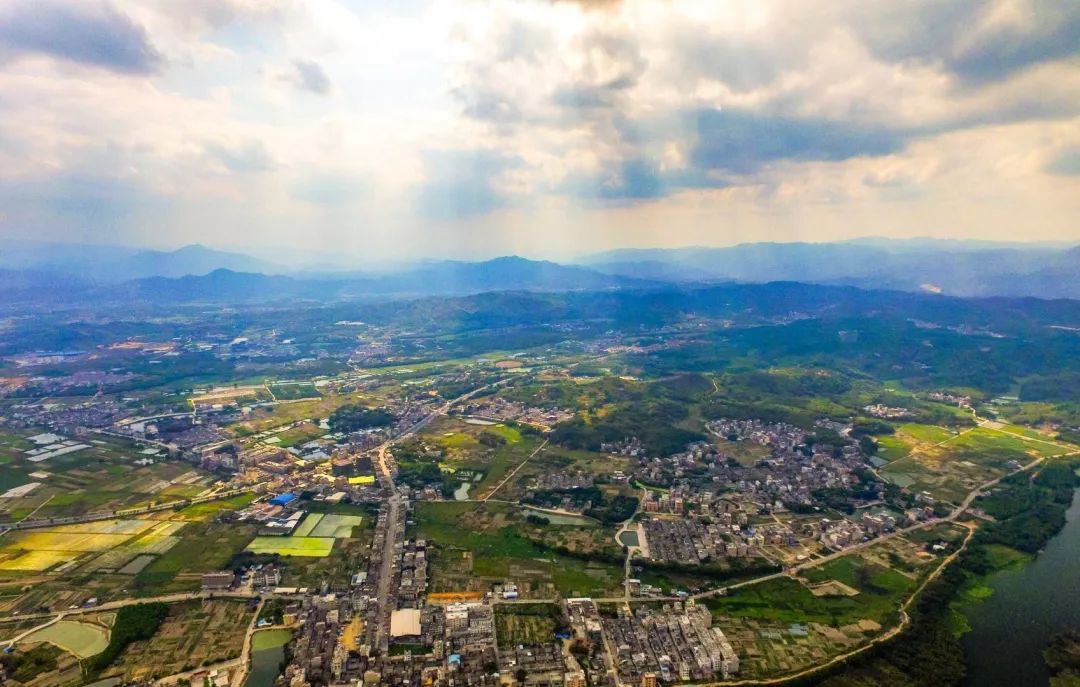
(1029, 606)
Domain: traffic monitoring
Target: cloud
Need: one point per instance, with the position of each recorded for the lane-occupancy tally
(91, 32)
(739, 64)
(1051, 32)
(979, 42)
(308, 75)
(463, 183)
(629, 180)
(741, 142)
(591, 4)
(639, 179)
(1066, 163)
(250, 156)
(200, 15)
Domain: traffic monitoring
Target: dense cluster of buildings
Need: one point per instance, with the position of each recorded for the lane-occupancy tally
(675, 642)
(697, 541)
(887, 412)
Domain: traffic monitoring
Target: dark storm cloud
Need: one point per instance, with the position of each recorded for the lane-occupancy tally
(952, 34)
(463, 183)
(634, 179)
(1010, 49)
(724, 146)
(310, 76)
(742, 142)
(638, 179)
(83, 31)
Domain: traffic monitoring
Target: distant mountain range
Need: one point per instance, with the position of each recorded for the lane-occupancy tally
(35, 288)
(951, 267)
(36, 274)
(119, 263)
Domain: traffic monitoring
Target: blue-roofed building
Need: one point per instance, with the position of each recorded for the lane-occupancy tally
(282, 499)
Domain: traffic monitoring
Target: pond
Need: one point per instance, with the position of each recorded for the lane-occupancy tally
(1030, 605)
(267, 656)
(629, 538)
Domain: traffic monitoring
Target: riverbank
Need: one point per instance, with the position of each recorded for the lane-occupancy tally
(1030, 513)
(1022, 607)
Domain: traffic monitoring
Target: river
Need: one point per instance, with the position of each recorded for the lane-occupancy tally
(1030, 604)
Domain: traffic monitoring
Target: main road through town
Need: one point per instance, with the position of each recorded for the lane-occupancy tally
(394, 521)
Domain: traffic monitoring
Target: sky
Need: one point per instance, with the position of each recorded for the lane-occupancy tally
(381, 130)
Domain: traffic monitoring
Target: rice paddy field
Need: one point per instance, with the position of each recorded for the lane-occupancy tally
(292, 546)
(116, 541)
(160, 554)
(336, 526)
(314, 537)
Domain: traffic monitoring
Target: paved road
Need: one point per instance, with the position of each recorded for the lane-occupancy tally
(120, 603)
(240, 676)
(122, 513)
(383, 464)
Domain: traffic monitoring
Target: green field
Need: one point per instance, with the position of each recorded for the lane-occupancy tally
(211, 509)
(929, 434)
(953, 469)
(318, 547)
(787, 601)
(479, 544)
(202, 548)
(891, 447)
(296, 391)
(335, 526)
(301, 434)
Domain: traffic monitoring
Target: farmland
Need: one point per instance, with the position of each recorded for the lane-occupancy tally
(87, 480)
(292, 546)
(193, 633)
(314, 537)
(950, 465)
(116, 540)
